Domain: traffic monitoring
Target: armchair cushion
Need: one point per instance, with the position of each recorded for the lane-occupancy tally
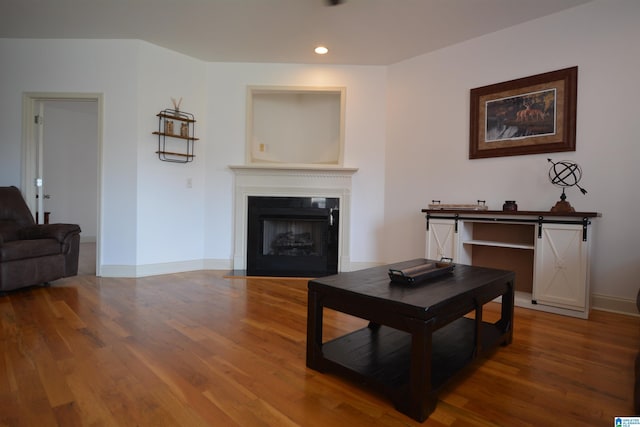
(8, 231)
(58, 232)
(23, 249)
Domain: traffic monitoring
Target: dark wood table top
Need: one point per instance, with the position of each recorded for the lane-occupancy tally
(421, 300)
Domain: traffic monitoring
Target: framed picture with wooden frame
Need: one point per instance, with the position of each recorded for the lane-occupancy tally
(531, 115)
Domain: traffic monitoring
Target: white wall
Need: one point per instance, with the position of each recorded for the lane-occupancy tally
(364, 146)
(170, 214)
(428, 133)
(152, 221)
(89, 66)
(149, 216)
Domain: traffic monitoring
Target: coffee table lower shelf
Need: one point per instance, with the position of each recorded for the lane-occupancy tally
(381, 356)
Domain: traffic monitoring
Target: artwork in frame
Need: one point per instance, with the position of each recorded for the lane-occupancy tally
(531, 115)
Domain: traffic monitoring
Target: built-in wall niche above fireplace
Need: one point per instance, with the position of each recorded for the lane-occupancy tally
(295, 125)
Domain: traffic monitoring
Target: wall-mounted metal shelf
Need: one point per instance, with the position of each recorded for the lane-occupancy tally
(175, 141)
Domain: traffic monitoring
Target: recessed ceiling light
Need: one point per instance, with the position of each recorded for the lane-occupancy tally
(321, 50)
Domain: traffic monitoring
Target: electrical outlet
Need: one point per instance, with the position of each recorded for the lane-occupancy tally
(189, 183)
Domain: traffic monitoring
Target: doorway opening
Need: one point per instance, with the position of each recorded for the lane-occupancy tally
(61, 179)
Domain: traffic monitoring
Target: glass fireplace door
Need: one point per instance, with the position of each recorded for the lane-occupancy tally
(298, 240)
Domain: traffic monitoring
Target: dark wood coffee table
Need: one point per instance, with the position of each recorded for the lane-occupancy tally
(418, 336)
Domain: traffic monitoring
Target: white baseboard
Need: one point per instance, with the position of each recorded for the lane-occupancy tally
(218, 264)
(164, 268)
(117, 271)
(150, 269)
(614, 304)
(169, 268)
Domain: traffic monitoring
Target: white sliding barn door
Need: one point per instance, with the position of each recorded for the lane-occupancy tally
(561, 267)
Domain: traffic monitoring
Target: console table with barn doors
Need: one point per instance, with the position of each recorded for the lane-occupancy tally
(549, 252)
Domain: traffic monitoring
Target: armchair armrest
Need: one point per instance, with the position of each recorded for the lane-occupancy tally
(49, 231)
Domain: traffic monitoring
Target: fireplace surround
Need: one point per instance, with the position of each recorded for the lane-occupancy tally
(291, 181)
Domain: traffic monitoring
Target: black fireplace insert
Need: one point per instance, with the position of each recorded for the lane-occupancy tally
(292, 236)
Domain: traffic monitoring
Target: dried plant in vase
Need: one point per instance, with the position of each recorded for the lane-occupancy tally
(176, 105)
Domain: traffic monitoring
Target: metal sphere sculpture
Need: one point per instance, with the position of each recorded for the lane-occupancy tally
(565, 174)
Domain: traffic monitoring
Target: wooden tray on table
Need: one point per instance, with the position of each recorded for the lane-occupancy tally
(422, 272)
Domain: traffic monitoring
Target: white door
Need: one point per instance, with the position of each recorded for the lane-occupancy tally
(561, 270)
(69, 163)
(441, 240)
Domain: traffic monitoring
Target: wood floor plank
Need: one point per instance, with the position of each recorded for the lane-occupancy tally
(199, 349)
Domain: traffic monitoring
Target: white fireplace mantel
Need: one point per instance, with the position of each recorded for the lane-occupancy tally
(291, 181)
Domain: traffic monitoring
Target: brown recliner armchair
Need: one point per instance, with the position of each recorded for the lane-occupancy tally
(32, 254)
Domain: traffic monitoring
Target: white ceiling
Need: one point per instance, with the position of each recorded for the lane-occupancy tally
(357, 32)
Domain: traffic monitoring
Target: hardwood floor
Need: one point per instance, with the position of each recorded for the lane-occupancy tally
(198, 349)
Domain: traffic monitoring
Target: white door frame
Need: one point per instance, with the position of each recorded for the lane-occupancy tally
(30, 109)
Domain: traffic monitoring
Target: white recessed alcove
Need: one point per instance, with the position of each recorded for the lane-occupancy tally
(292, 125)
